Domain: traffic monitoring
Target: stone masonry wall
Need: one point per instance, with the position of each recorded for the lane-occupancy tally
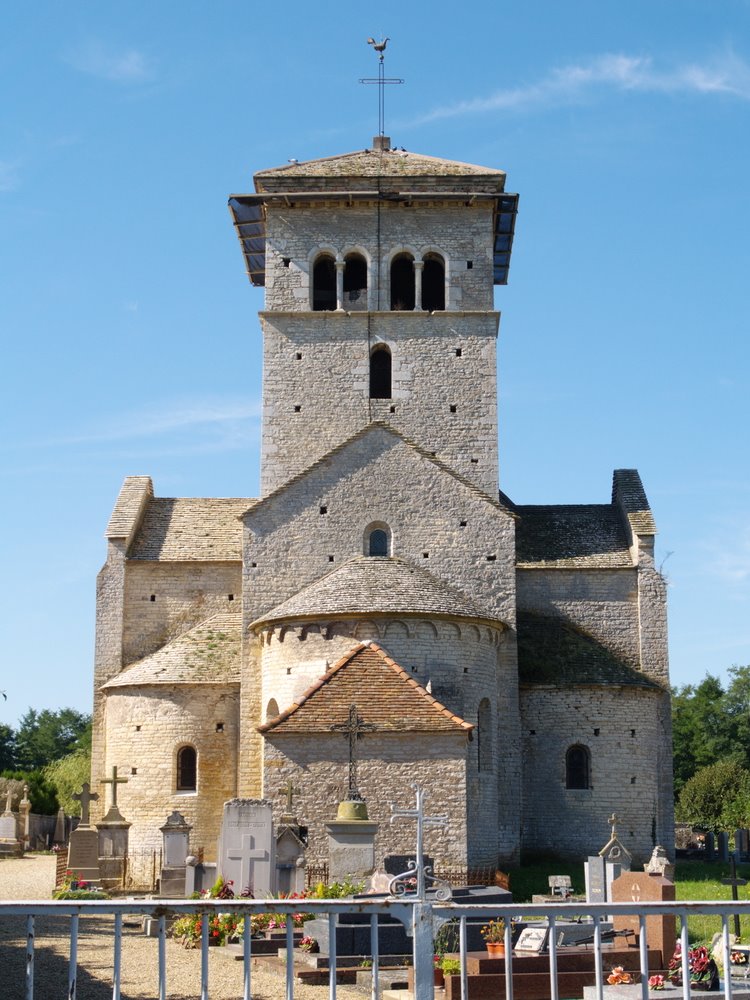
(185, 593)
(388, 767)
(145, 729)
(436, 522)
(460, 233)
(623, 729)
(316, 387)
(603, 602)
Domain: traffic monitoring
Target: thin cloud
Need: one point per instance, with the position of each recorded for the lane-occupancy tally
(118, 66)
(570, 84)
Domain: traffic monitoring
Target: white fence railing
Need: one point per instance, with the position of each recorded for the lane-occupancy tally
(421, 920)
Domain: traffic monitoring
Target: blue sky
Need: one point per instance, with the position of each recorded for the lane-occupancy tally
(131, 342)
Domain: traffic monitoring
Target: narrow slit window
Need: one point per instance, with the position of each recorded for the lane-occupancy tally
(380, 373)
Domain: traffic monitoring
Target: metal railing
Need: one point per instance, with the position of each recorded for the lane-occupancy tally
(420, 918)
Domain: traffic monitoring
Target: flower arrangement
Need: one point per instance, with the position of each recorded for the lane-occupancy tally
(308, 944)
(656, 982)
(618, 976)
(74, 887)
(493, 932)
(738, 958)
(702, 967)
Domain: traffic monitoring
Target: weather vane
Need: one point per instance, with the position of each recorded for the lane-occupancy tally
(381, 80)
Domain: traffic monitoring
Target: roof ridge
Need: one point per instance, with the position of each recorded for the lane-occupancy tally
(340, 664)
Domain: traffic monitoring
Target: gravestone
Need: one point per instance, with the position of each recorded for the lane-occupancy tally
(24, 809)
(596, 879)
(246, 850)
(83, 849)
(659, 864)
(723, 846)
(59, 835)
(640, 887)
(291, 843)
(10, 846)
(710, 848)
(175, 838)
(351, 848)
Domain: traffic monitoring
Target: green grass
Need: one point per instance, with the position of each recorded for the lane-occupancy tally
(698, 880)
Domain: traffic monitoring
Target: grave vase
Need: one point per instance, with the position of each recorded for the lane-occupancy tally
(495, 949)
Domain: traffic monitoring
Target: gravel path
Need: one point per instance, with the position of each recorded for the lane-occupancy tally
(32, 877)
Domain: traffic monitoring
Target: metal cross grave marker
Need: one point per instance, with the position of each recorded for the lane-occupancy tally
(734, 881)
(114, 781)
(353, 729)
(85, 797)
(422, 820)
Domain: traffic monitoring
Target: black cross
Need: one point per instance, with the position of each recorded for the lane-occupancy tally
(734, 881)
(381, 81)
(353, 729)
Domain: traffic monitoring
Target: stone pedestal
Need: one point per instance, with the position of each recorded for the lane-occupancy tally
(176, 835)
(112, 845)
(351, 848)
(639, 887)
(10, 846)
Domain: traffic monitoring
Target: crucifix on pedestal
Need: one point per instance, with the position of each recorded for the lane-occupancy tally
(114, 781)
(353, 729)
(85, 797)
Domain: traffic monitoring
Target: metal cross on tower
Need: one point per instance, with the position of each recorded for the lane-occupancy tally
(353, 728)
(418, 814)
(381, 80)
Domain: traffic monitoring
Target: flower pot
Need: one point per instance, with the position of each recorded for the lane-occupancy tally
(438, 977)
(496, 949)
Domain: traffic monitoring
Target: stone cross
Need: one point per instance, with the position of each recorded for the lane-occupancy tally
(614, 819)
(734, 881)
(290, 791)
(114, 781)
(422, 821)
(353, 729)
(9, 802)
(85, 797)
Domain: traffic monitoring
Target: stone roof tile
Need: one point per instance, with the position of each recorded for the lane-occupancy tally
(190, 529)
(571, 536)
(555, 652)
(208, 653)
(376, 585)
(629, 494)
(135, 493)
(387, 698)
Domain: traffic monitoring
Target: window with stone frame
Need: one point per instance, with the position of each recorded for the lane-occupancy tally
(578, 767)
(377, 542)
(355, 281)
(272, 709)
(380, 372)
(403, 294)
(187, 769)
(433, 283)
(324, 283)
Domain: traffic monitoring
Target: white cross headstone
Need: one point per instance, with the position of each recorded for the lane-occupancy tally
(247, 846)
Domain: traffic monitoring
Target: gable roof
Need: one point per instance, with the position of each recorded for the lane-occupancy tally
(208, 653)
(373, 585)
(571, 536)
(373, 427)
(555, 652)
(188, 529)
(387, 698)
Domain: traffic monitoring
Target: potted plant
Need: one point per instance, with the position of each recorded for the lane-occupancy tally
(494, 938)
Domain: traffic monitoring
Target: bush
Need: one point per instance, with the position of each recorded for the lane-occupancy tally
(717, 797)
(67, 775)
(41, 792)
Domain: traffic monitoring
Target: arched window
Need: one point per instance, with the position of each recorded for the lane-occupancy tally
(272, 709)
(187, 769)
(324, 283)
(380, 372)
(402, 282)
(484, 735)
(377, 542)
(433, 283)
(578, 767)
(355, 281)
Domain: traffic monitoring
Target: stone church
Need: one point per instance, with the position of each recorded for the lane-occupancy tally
(510, 658)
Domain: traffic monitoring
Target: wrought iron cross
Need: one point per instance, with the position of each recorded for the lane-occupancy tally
(734, 880)
(85, 797)
(422, 821)
(381, 80)
(353, 729)
(114, 781)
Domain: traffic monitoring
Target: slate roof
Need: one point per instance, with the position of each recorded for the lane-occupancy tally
(209, 653)
(387, 698)
(628, 492)
(554, 652)
(191, 529)
(377, 163)
(134, 494)
(376, 585)
(571, 536)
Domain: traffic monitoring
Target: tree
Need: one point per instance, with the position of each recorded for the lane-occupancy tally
(43, 737)
(67, 775)
(717, 797)
(7, 748)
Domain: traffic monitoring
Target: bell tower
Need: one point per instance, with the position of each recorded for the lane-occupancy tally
(378, 268)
